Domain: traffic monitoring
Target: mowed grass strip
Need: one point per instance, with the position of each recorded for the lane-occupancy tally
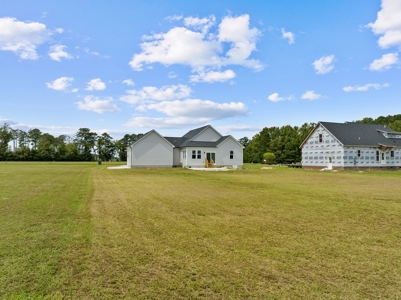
(247, 234)
(39, 203)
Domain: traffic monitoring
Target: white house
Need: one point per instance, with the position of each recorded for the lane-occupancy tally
(200, 147)
(351, 145)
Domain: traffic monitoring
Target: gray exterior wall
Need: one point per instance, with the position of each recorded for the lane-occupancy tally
(152, 151)
(176, 157)
(209, 135)
(316, 154)
(223, 159)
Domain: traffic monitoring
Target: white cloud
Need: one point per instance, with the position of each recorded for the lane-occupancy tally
(60, 84)
(324, 64)
(57, 53)
(129, 82)
(174, 18)
(364, 88)
(147, 122)
(384, 63)
(275, 97)
(311, 95)
(96, 85)
(201, 50)
(196, 108)
(86, 50)
(203, 24)
(235, 30)
(151, 93)
(229, 128)
(288, 35)
(22, 37)
(213, 76)
(95, 104)
(59, 30)
(388, 24)
(191, 112)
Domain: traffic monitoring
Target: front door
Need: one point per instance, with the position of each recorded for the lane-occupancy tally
(383, 157)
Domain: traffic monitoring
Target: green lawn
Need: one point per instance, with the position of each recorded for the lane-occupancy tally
(81, 231)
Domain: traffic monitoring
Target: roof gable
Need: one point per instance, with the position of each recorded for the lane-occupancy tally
(357, 134)
(149, 133)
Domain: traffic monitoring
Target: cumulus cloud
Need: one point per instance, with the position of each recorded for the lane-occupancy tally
(364, 88)
(196, 108)
(22, 37)
(276, 98)
(147, 122)
(60, 84)
(199, 48)
(57, 53)
(129, 82)
(288, 36)
(96, 85)
(187, 112)
(388, 24)
(311, 95)
(384, 63)
(95, 104)
(203, 24)
(324, 64)
(213, 76)
(151, 93)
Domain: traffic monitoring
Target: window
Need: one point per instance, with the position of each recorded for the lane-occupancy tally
(392, 153)
(320, 138)
(359, 153)
(231, 154)
(377, 156)
(199, 154)
(184, 154)
(193, 154)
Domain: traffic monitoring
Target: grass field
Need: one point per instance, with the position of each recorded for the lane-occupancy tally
(81, 231)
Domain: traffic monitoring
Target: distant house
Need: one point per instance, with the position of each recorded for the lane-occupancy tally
(351, 145)
(200, 147)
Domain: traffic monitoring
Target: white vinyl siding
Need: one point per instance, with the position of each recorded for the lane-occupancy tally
(152, 150)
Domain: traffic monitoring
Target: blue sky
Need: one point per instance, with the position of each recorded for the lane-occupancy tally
(131, 66)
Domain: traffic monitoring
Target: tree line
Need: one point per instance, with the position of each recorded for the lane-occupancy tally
(85, 145)
(272, 144)
(281, 144)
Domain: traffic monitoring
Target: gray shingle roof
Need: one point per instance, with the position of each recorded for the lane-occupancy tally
(192, 133)
(361, 134)
(186, 142)
(176, 141)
